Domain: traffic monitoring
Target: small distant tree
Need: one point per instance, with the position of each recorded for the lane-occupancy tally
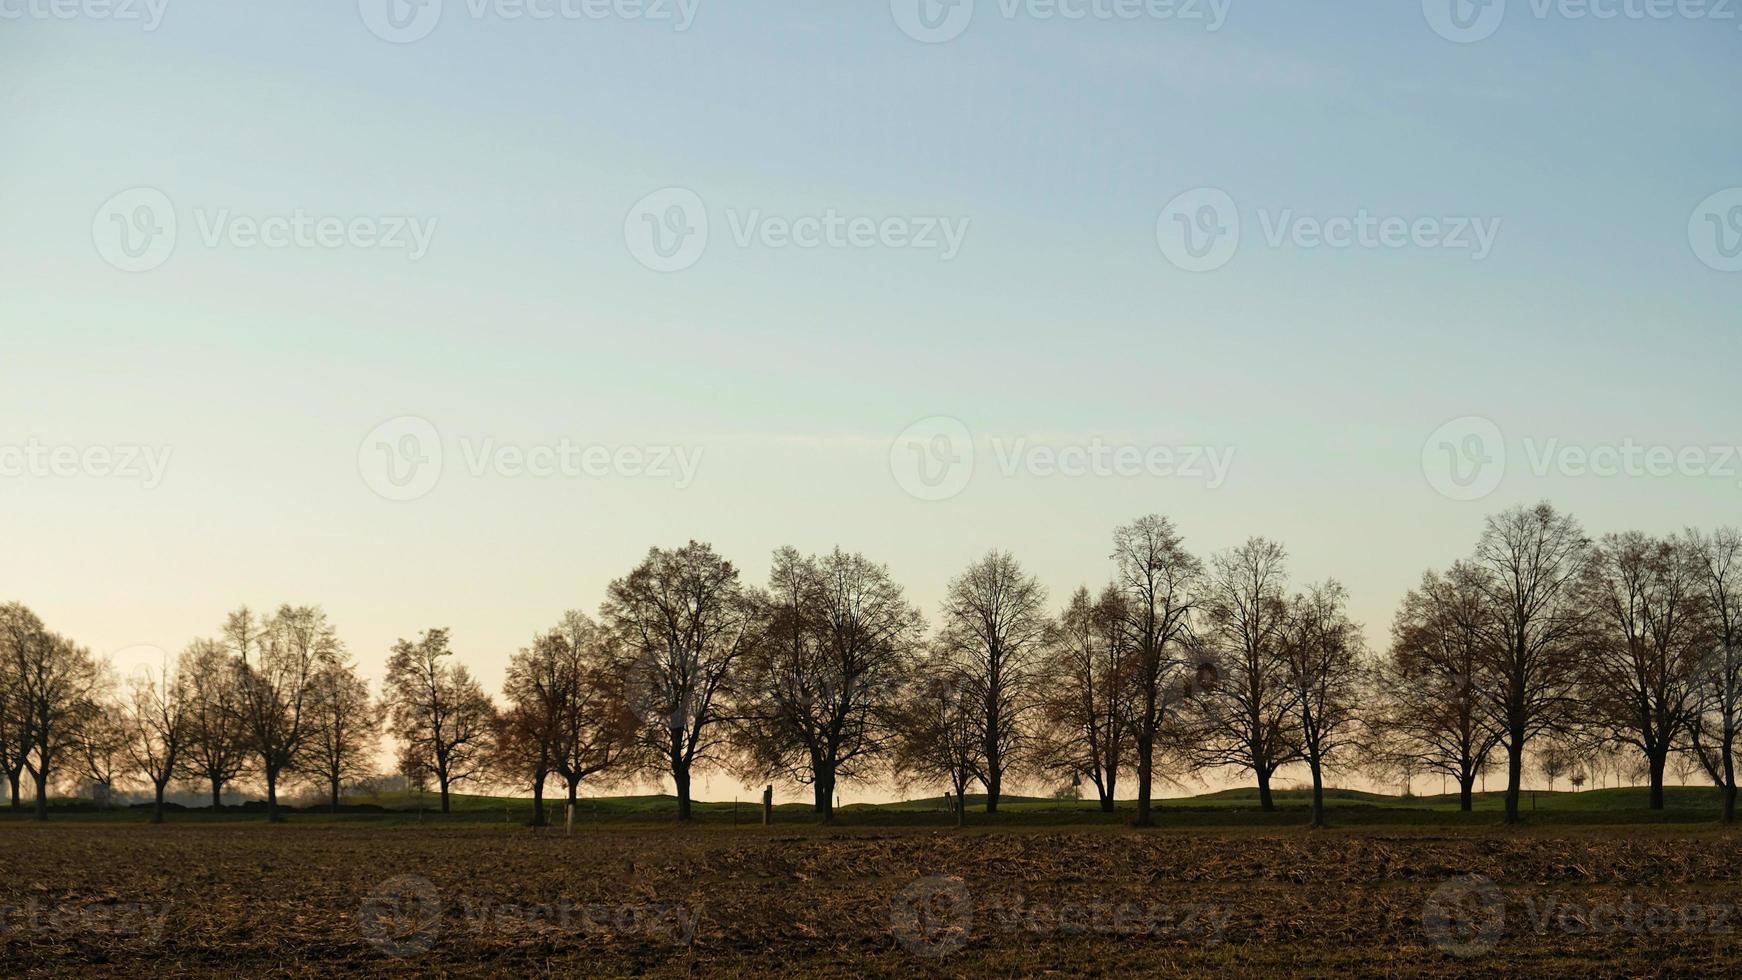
(57, 686)
(155, 727)
(1159, 582)
(215, 747)
(818, 689)
(14, 720)
(684, 620)
(1640, 672)
(1430, 701)
(1528, 566)
(1247, 721)
(994, 631)
(1718, 678)
(440, 712)
(1328, 678)
(346, 729)
(101, 741)
(941, 736)
(276, 663)
(1086, 694)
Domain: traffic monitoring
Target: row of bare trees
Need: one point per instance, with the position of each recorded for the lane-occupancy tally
(1542, 641)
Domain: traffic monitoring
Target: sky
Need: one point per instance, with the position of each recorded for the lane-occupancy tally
(442, 315)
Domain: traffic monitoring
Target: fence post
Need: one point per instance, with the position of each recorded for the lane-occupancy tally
(768, 806)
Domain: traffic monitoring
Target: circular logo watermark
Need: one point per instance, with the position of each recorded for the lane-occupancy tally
(1465, 916)
(401, 459)
(1199, 231)
(1464, 21)
(400, 21)
(667, 231)
(932, 917)
(1465, 459)
(1715, 230)
(402, 916)
(933, 459)
(932, 21)
(134, 231)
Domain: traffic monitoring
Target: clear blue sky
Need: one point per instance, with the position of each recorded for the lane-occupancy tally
(1592, 320)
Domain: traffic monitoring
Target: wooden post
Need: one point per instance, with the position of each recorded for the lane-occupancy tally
(768, 806)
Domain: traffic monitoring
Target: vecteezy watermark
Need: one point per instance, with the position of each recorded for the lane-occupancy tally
(405, 21)
(1200, 230)
(669, 229)
(1469, 21)
(1468, 916)
(405, 916)
(402, 916)
(1465, 459)
(70, 920)
(146, 13)
(936, 916)
(403, 459)
(934, 459)
(38, 460)
(1715, 230)
(137, 230)
(937, 21)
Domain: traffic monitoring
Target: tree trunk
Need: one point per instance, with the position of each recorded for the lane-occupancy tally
(13, 778)
(825, 798)
(1265, 802)
(962, 805)
(1465, 788)
(1658, 761)
(443, 779)
(538, 801)
(1318, 793)
(272, 815)
(574, 784)
(1145, 771)
(994, 780)
(217, 793)
(1514, 774)
(157, 806)
(42, 794)
(335, 788)
(680, 777)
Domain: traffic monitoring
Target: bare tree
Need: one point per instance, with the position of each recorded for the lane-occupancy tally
(1248, 717)
(1086, 693)
(1718, 559)
(1328, 676)
(101, 741)
(941, 735)
(837, 641)
(57, 684)
(685, 620)
(596, 729)
(1640, 672)
(1528, 566)
(155, 727)
(14, 720)
(1430, 704)
(276, 662)
(565, 714)
(1159, 580)
(215, 750)
(995, 628)
(440, 713)
(345, 728)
